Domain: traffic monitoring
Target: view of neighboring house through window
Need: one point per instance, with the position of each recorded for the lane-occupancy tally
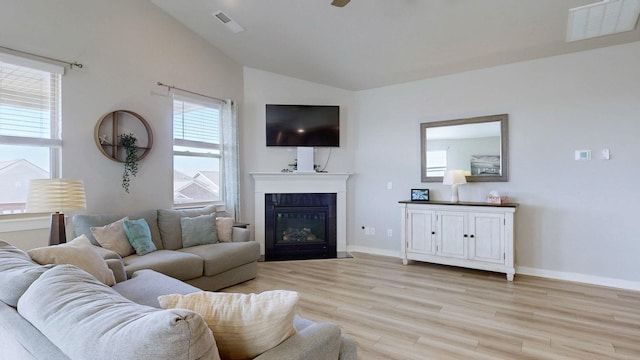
(197, 152)
(436, 162)
(30, 122)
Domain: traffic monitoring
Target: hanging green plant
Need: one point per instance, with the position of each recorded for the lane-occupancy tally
(128, 142)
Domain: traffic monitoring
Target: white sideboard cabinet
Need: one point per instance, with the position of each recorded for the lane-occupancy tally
(472, 235)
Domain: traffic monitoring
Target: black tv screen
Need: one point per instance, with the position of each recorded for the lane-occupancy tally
(303, 125)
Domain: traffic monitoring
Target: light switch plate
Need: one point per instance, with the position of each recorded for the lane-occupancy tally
(583, 154)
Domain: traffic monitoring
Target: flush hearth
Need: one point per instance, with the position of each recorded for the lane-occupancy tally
(300, 226)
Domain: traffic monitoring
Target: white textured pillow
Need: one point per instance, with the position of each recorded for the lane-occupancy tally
(78, 252)
(225, 229)
(244, 325)
(114, 238)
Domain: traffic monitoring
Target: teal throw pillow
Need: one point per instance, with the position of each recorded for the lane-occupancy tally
(139, 236)
(199, 230)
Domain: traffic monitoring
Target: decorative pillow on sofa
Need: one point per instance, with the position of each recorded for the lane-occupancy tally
(169, 224)
(225, 228)
(17, 272)
(113, 237)
(139, 236)
(88, 320)
(199, 230)
(78, 252)
(244, 325)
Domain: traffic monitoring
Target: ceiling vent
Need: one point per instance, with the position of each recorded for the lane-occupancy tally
(603, 18)
(231, 24)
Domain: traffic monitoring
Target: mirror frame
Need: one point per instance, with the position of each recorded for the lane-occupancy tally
(504, 143)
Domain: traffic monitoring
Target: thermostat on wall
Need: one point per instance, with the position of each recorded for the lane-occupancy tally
(583, 154)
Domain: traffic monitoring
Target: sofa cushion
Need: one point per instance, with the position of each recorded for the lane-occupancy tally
(113, 237)
(78, 252)
(17, 272)
(182, 266)
(198, 230)
(245, 325)
(221, 257)
(88, 320)
(145, 286)
(169, 224)
(82, 224)
(139, 236)
(224, 225)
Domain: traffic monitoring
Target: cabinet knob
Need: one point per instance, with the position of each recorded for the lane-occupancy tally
(472, 235)
(465, 235)
(433, 233)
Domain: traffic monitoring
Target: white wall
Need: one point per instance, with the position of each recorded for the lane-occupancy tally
(576, 218)
(261, 88)
(126, 47)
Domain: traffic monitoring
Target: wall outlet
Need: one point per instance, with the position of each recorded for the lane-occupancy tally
(389, 233)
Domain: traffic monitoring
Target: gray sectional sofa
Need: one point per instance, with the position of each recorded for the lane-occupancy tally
(62, 312)
(208, 267)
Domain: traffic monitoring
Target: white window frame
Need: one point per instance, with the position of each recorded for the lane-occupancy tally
(54, 142)
(201, 145)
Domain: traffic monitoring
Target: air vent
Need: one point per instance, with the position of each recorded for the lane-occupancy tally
(603, 18)
(231, 24)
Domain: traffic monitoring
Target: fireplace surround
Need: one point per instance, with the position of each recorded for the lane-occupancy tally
(291, 183)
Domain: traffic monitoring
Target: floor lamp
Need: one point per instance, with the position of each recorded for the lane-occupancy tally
(54, 196)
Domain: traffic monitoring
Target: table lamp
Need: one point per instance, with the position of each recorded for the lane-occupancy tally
(55, 195)
(454, 178)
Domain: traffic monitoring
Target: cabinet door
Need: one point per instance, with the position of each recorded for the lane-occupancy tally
(420, 228)
(486, 237)
(451, 234)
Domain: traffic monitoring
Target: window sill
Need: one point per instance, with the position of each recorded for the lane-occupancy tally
(13, 223)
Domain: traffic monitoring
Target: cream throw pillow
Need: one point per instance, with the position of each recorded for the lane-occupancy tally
(244, 325)
(78, 252)
(225, 229)
(114, 238)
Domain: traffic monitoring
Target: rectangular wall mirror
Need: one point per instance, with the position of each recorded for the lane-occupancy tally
(478, 145)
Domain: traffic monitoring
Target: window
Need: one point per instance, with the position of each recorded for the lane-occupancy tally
(436, 162)
(197, 152)
(30, 127)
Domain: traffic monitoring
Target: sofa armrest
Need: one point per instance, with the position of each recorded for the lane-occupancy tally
(319, 341)
(106, 253)
(117, 266)
(240, 234)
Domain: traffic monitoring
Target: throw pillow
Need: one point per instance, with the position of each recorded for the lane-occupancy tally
(88, 320)
(225, 228)
(169, 224)
(199, 230)
(78, 252)
(113, 237)
(139, 236)
(244, 325)
(17, 273)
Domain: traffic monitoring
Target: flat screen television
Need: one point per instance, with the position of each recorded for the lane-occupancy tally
(303, 125)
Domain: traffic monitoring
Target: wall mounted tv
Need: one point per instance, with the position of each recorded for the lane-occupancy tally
(303, 125)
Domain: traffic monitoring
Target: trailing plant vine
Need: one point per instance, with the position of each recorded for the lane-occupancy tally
(128, 142)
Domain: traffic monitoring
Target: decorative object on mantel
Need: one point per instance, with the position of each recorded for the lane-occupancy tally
(495, 198)
(128, 142)
(53, 196)
(454, 178)
(124, 136)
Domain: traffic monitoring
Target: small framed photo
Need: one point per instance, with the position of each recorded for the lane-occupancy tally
(419, 194)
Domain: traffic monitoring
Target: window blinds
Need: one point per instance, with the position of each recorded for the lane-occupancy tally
(196, 124)
(29, 101)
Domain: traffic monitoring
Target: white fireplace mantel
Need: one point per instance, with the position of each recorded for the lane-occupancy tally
(290, 183)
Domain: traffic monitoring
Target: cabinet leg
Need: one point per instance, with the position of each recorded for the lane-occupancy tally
(405, 262)
(510, 277)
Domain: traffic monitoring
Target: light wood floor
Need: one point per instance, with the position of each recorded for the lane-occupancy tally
(426, 311)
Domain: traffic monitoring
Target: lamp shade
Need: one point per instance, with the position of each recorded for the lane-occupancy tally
(454, 177)
(52, 195)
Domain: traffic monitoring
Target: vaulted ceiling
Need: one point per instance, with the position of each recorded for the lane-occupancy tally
(373, 43)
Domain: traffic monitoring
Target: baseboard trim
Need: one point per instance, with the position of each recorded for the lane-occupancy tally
(523, 270)
(580, 278)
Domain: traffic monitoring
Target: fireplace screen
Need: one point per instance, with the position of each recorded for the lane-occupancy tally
(300, 227)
